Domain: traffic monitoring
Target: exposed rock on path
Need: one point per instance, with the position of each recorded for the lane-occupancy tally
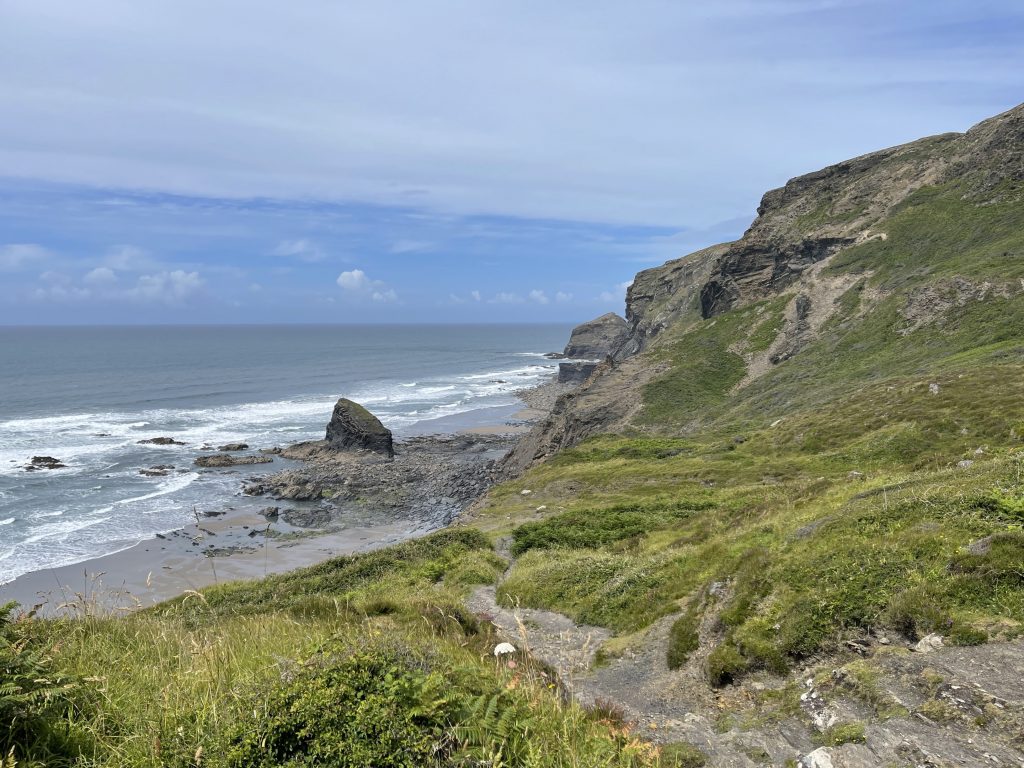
(741, 727)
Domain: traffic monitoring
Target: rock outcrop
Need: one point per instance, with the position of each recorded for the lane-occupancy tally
(225, 460)
(597, 338)
(44, 462)
(353, 428)
(787, 251)
(160, 441)
(576, 372)
(816, 215)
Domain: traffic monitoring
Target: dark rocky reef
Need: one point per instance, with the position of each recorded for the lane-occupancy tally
(352, 427)
(160, 441)
(224, 460)
(44, 462)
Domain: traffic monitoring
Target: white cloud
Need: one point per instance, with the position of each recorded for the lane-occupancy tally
(411, 246)
(128, 258)
(101, 277)
(354, 280)
(357, 283)
(563, 298)
(617, 294)
(484, 128)
(475, 295)
(539, 296)
(303, 250)
(507, 298)
(15, 256)
(102, 284)
(166, 287)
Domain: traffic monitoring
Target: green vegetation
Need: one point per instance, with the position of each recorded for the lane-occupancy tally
(683, 637)
(872, 482)
(843, 733)
(36, 698)
(823, 520)
(683, 755)
(370, 659)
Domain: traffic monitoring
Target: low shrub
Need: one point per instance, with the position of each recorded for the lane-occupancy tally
(380, 706)
(35, 698)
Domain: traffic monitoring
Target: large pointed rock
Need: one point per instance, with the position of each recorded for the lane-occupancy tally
(352, 427)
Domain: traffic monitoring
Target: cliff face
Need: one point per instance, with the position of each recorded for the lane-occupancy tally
(893, 218)
(819, 214)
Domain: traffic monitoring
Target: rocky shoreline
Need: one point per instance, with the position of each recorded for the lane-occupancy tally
(324, 502)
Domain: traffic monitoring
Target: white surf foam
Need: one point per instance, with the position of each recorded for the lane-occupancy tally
(166, 487)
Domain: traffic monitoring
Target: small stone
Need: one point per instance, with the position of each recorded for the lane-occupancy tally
(933, 388)
(819, 758)
(541, 508)
(525, 492)
(929, 643)
(855, 475)
(965, 463)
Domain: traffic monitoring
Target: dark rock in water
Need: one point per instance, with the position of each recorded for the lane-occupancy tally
(270, 513)
(352, 427)
(554, 355)
(160, 441)
(275, 451)
(44, 462)
(234, 447)
(157, 470)
(221, 460)
(575, 373)
(214, 513)
(598, 338)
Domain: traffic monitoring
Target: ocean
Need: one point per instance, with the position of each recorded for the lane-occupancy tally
(88, 395)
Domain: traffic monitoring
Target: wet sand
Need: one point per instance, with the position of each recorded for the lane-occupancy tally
(215, 551)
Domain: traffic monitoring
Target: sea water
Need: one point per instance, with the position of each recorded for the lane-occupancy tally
(87, 396)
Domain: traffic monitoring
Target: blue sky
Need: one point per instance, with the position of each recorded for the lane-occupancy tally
(322, 161)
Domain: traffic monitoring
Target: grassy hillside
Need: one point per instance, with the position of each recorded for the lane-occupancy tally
(871, 484)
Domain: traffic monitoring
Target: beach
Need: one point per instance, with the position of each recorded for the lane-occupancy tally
(243, 539)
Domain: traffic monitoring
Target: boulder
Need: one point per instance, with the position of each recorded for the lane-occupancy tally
(234, 447)
(160, 441)
(598, 338)
(44, 462)
(352, 427)
(223, 460)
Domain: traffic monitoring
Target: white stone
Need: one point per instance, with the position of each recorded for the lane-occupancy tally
(525, 493)
(503, 648)
(819, 758)
(933, 388)
(929, 643)
(542, 507)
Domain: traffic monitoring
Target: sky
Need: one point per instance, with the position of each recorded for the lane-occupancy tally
(247, 161)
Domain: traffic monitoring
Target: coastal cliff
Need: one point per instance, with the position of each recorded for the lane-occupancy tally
(779, 523)
(923, 229)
